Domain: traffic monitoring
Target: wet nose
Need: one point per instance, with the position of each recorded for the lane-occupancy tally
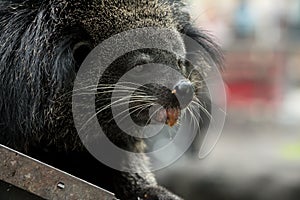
(184, 92)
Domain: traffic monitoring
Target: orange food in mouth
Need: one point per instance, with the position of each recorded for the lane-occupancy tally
(172, 116)
(168, 116)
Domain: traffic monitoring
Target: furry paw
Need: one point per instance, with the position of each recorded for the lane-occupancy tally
(157, 193)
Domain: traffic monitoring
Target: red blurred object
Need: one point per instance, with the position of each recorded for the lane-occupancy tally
(254, 78)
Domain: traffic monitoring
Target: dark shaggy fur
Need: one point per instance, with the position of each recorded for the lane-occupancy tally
(42, 44)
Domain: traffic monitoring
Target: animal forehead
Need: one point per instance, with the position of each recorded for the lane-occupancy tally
(167, 39)
(111, 17)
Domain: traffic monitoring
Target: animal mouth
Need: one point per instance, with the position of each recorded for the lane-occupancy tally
(168, 116)
(157, 115)
(164, 108)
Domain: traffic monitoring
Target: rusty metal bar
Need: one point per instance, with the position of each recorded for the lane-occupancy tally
(20, 171)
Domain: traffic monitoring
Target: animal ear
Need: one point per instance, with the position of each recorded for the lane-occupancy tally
(209, 48)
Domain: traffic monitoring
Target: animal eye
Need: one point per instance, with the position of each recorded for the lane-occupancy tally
(139, 68)
(181, 63)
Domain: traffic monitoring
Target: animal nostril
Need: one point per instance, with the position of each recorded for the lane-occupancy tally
(184, 92)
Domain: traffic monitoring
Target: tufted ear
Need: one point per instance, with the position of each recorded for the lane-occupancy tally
(205, 40)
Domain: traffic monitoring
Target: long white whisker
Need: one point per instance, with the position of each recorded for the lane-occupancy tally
(198, 103)
(136, 108)
(150, 118)
(101, 110)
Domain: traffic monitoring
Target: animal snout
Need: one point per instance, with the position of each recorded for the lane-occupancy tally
(184, 92)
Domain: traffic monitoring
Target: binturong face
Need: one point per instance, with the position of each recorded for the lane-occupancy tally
(146, 70)
(142, 83)
(148, 85)
(143, 77)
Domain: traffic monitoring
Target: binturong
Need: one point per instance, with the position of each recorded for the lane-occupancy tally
(43, 44)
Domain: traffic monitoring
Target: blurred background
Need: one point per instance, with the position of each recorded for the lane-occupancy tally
(258, 155)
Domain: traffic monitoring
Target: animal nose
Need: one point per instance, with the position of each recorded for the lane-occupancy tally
(184, 92)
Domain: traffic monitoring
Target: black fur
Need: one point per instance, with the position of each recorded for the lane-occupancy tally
(42, 44)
